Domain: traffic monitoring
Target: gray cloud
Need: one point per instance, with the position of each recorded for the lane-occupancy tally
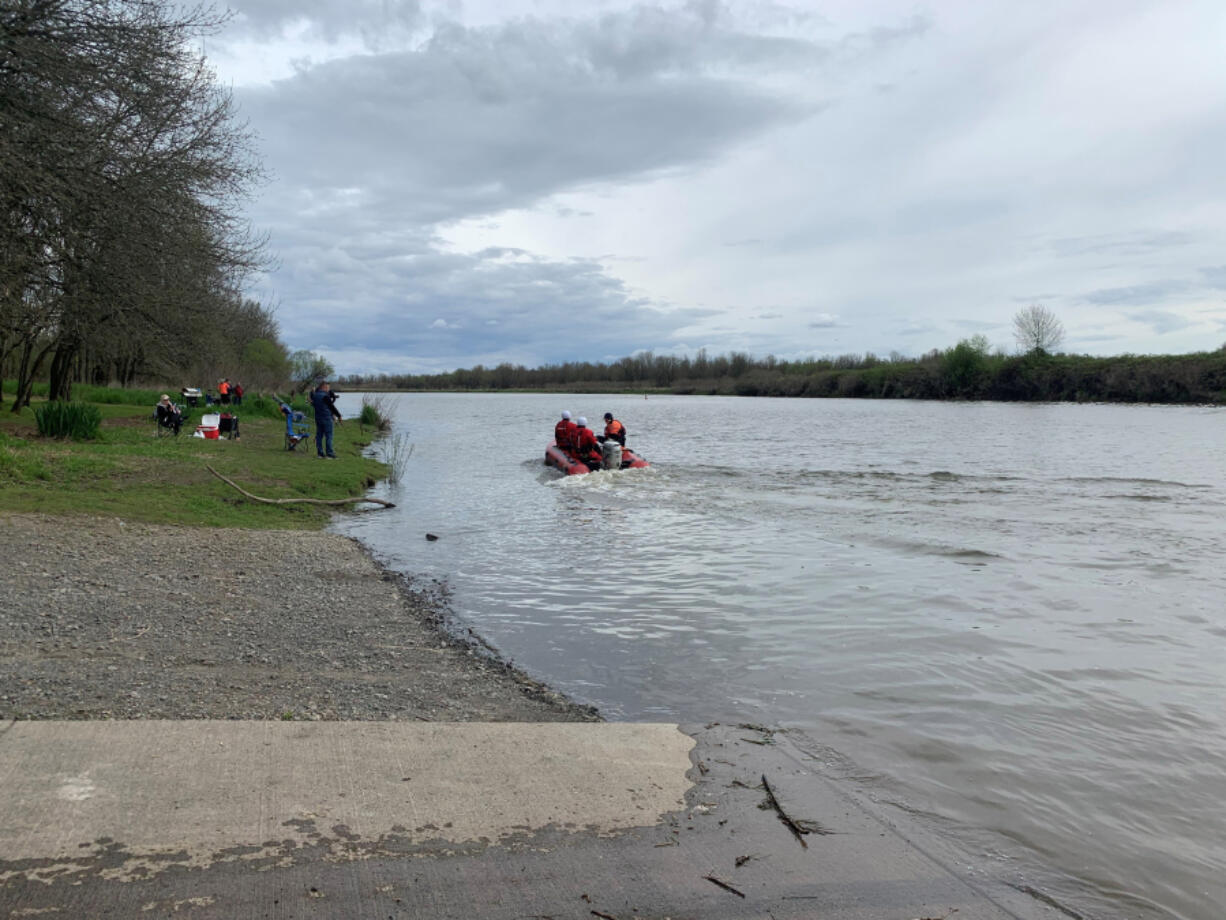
(1123, 245)
(478, 122)
(373, 152)
(1215, 277)
(496, 305)
(976, 325)
(917, 329)
(371, 20)
(1150, 292)
(1161, 321)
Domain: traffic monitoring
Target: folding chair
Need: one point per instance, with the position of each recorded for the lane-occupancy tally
(296, 428)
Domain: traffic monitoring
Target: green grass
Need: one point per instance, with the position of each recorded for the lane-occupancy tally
(76, 420)
(130, 473)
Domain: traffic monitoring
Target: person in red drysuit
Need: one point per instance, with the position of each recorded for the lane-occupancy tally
(564, 433)
(587, 448)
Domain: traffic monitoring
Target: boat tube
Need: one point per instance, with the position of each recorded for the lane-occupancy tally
(571, 466)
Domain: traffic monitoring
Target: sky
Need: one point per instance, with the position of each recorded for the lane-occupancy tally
(529, 181)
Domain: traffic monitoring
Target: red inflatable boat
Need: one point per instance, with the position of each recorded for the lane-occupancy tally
(555, 456)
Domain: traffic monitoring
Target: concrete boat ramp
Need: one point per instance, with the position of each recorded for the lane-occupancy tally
(375, 820)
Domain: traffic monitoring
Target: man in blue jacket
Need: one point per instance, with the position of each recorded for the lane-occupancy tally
(324, 404)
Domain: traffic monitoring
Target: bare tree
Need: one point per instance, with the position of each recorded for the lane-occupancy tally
(124, 167)
(1036, 328)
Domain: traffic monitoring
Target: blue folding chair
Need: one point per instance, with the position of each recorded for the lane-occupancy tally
(296, 428)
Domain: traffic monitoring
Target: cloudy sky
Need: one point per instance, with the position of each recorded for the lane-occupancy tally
(535, 181)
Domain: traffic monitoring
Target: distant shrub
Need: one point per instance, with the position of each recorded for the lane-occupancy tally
(68, 420)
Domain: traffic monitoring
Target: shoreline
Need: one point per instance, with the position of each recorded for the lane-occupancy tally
(114, 620)
(118, 640)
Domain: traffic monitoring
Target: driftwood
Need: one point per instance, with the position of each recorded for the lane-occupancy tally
(797, 831)
(299, 501)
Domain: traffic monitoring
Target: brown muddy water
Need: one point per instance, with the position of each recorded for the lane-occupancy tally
(1011, 618)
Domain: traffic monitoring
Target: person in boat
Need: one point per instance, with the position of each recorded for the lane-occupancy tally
(613, 430)
(564, 433)
(586, 447)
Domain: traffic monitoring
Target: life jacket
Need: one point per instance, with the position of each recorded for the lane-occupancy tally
(223, 388)
(616, 430)
(562, 433)
(585, 442)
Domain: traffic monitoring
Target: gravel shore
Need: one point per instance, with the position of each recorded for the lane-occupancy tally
(102, 619)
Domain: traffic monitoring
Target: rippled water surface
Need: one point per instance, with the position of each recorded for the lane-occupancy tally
(1009, 616)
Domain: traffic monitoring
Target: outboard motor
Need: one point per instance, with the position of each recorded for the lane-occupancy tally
(611, 455)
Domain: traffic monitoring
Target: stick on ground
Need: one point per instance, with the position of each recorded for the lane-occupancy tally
(724, 885)
(796, 829)
(295, 501)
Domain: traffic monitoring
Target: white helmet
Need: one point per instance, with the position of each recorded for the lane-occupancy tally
(581, 422)
(566, 413)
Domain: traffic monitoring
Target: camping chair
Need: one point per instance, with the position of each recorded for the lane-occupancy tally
(166, 429)
(296, 428)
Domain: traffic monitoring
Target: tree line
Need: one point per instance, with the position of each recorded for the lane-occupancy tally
(968, 370)
(123, 252)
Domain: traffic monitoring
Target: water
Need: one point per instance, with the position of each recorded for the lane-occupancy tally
(1009, 617)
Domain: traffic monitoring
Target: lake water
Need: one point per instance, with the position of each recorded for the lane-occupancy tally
(1007, 617)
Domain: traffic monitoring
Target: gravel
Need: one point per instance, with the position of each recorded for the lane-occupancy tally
(103, 619)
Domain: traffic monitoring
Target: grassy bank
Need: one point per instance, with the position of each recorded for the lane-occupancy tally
(131, 473)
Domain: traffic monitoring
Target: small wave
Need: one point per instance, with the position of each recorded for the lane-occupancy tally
(1116, 480)
(1137, 497)
(965, 553)
(956, 553)
(944, 476)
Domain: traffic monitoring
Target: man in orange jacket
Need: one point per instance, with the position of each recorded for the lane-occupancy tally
(613, 429)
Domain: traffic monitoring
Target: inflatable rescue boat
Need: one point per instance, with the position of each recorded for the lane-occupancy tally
(555, 456)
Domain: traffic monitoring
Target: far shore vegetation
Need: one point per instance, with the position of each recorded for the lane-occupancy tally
(968, 370)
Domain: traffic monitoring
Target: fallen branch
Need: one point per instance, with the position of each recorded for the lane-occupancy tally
(796, 829)
(724, 885)
(299, 501)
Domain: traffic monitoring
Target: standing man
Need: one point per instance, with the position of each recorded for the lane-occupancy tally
(324, 405)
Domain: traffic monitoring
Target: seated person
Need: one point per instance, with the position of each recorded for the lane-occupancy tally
(586, 447)
(168, 414)
(613, 429)
(564, 433)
